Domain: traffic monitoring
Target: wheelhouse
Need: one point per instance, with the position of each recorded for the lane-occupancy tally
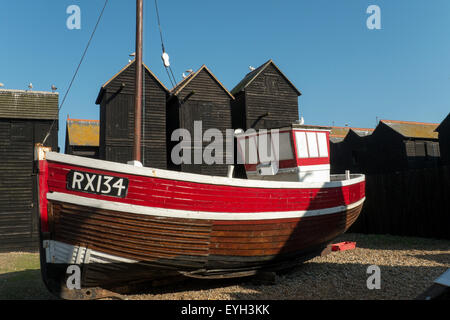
(295, 153)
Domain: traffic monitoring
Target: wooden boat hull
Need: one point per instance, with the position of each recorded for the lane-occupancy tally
(170, 223)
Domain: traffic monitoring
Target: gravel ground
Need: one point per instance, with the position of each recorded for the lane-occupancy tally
(408, 267)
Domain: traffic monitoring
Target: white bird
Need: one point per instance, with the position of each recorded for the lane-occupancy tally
(1, 84)
(184, 76)
(54, 88)
(251, 68)
(30, 86)
(302, 121)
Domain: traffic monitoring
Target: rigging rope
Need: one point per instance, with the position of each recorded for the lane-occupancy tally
(172, 80)
(76, 71)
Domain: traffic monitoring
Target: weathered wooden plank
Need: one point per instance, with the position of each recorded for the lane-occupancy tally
(116, 101)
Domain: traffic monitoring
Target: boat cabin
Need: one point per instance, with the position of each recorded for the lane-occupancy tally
(295, 153)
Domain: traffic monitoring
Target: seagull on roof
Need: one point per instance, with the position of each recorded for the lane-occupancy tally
(54, 88)
(1, 84)
(30, 86)
(251, 68)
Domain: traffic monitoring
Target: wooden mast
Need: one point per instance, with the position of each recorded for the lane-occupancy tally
(138, 87)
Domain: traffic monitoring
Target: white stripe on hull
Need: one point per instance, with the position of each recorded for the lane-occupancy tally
(203, 215)
(191, 177)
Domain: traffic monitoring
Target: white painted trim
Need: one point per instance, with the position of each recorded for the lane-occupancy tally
(280, 130)
(62, 253)
(191, 177)
(186, 214)
(314, 167)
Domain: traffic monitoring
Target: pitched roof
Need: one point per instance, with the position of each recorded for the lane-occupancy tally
(27, 104)
(337, 134)
(362, 132)
(336, 139)
(444, 122)
(183, 83)
(83, 132)
(103, 87)
(411, 129)
(249, 77)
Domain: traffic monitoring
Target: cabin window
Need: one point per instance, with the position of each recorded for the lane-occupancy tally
(263, 148)
(285, 146)
(311, 144)
(323, 145)
(302, 146)
(248, 147)
(265, 152)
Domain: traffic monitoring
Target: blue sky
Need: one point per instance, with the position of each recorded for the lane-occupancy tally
(347, 73)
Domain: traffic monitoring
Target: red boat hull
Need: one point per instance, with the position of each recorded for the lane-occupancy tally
(171, 223)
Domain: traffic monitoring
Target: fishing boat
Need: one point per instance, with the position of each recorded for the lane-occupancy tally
(122, 223)
(106, 225)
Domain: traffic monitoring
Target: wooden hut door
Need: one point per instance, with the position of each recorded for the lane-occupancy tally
(16, 194)
(192, 111)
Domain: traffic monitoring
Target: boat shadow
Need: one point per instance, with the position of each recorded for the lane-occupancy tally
(392, 242)
(313, 280)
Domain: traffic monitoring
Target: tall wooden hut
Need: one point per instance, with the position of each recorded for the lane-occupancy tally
(25, 119)
(200, 97)
(444, 140)
(265, 98)
(116, 100)
(82, 138)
